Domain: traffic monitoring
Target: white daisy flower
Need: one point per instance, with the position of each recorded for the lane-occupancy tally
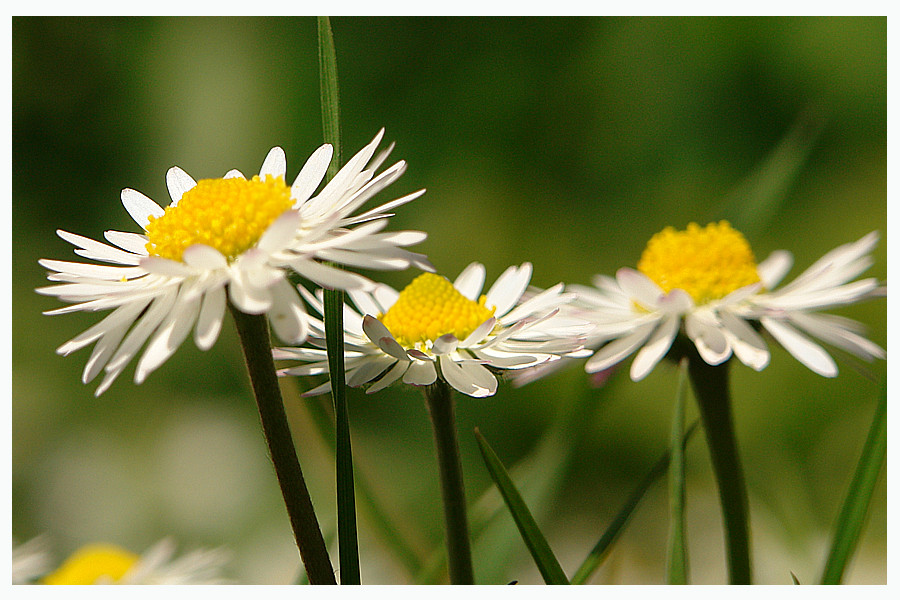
(98, 564)
(227, 239)
(705, 283)
(434, 328)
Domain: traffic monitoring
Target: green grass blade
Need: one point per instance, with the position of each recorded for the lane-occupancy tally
(540, 550)
(753, 203)
(677, 563)
(328, 92)
(852, 517)
(601, 548)
(348, 545)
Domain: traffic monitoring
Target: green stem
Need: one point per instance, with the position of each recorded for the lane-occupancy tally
(254, 334)
(459, 553)
(710, 385)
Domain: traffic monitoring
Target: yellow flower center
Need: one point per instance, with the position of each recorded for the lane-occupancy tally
(228, 214)
(706, 262)
(91, 563)
(430, 307)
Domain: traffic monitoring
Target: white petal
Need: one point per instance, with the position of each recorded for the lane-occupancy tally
(130, 242)
(839, 332)
(508, 289)
(209, 321)
(802, 348)
(772, 270)
(368, 370)
(165, 267)
(169, 336)
(748, 345)
(274, 164)
(178, 183)
(479, 333)
(280, 233)
(389, 346)
(329, 277)
(470, 380)
(287, 315)
(711, 343)
(617, 350)
(201, 256)
(375, 329)
(655, 348)
(366, 303)
(97, 250)
(140, 207)
(248, 298)
(639, 287)
(311, 174)
(471, 281)
(152, 317)
(445, 344)
(420, 372)
(233, 174)
(103, 350)
(124, 315)
(390, 377)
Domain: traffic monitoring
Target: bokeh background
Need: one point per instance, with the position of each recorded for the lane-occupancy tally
(566, 142)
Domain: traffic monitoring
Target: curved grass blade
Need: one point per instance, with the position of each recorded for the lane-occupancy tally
(348, 544)
(852, 517)
(600, 550)
(677, 563)
(753, 203)
(537, 544)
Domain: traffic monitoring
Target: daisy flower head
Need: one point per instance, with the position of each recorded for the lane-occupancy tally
(704, 283)
(99, 564)
(229, 239)
(435, 328)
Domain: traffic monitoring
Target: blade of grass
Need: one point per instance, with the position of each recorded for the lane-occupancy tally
(598, 553)
(753, 203)
(677, 567)
(853, 513)
(348, 544)
(537, 544)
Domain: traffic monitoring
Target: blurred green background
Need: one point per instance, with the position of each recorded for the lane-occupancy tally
(566, 142)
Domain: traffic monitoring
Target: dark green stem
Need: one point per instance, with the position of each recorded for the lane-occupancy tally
(254, 333)
(459, 553)
(710, 385)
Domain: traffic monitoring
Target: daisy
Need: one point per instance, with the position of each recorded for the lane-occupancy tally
(97, 564)
(30, 560)
(230, 239)
(435, 328)
(704, 282)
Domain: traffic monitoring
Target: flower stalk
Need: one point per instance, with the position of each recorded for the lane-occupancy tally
(710, 385)
(254, 335)
(443, 421)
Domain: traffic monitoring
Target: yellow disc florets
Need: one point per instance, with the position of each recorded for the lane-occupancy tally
(228, 214)
(706, 262)
(430, 307)
(96, 563)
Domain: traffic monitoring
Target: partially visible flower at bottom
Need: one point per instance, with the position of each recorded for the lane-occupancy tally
(435, 328)
(97, 564)
(30, 560)
(704, 282)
